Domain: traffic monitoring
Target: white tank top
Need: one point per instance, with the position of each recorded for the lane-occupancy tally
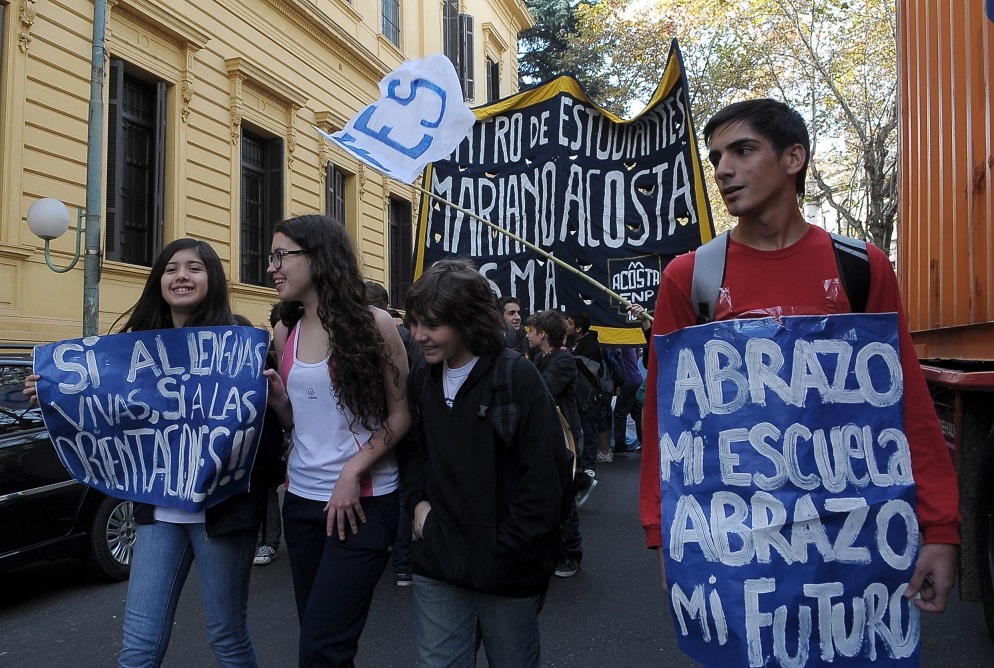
(323, 440)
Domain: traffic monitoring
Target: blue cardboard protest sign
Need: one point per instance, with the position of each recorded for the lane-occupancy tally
(788, 503)
(167, 417)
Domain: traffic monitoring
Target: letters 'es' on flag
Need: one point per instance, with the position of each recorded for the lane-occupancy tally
(420, 117)
(615, 199)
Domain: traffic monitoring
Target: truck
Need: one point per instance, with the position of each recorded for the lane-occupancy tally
(946, 247)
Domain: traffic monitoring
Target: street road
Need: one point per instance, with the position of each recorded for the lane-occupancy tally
(610, 614)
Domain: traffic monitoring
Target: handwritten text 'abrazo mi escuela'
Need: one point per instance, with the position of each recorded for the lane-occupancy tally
(764, 498)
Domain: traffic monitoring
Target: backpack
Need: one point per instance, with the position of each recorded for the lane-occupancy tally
(709, 273)
(498, 402)
(614, 369)
(504, 416)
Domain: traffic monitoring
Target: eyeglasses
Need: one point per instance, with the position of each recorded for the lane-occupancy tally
(276, 257)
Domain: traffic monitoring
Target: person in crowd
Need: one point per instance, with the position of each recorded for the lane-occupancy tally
(272, 525)
(340, 392)
(484, 478)
(514, 333)
(626, 403)
(594, 403)
(186, 287)
(547, 333)
(377, 296)
(777, 262)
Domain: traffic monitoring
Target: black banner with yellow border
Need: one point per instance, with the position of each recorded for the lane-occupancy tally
(615, 199)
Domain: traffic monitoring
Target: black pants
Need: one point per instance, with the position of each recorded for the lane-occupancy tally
(627, 404)
(572, 545)
(333, 580)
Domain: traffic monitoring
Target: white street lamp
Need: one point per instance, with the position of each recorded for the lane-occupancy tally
(48, 218)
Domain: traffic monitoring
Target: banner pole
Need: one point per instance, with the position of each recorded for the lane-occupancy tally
(645, 315)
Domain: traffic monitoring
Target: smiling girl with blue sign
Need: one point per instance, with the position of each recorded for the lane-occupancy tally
(186, 288)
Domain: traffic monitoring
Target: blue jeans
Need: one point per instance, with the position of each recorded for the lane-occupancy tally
(163, 555)
(334, 580)
(446, 619)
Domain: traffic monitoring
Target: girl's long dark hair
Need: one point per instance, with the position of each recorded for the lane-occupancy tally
(357, 347)
(453, 292)
(152, 312)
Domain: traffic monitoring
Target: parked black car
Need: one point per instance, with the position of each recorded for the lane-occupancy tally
(44, 513)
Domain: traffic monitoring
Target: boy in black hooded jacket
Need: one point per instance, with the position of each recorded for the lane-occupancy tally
(487, 506)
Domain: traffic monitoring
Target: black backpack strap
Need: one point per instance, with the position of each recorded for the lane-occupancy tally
(499, 397)
(854, 270)
(420, 371)
(709, 274)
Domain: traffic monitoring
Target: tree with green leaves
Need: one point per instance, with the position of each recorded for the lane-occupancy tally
(542, 49)
(833, 60)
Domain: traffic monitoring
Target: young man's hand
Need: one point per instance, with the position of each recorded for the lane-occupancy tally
(420, 515)
(662, 571)
(637, 310)
(934, 576)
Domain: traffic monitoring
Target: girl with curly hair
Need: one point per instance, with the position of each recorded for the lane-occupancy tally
(340, 392)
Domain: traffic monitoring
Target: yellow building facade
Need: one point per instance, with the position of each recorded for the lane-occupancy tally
(209, 108)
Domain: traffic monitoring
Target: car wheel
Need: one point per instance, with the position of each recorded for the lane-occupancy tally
(111, 540)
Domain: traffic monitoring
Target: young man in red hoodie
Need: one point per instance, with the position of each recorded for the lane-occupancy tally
(779, 264)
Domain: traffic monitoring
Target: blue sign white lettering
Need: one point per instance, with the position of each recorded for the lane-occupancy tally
(167, 417)
(788, 503)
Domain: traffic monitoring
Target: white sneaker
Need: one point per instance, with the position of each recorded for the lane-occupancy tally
(264, 556)
(606, 457)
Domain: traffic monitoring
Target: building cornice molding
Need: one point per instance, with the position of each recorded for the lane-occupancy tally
(170, 24)
(241, 71)
(329, 121)
(259, 78)
(16, 252)
(308, 17)
(493, 38)
(160, 21)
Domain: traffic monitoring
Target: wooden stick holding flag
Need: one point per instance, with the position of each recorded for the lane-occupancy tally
(421, 117)
(540, 251)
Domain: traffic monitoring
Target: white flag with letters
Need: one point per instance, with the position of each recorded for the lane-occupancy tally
(420, 117)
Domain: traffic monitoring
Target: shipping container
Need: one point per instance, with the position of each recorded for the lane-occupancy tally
(946, 244)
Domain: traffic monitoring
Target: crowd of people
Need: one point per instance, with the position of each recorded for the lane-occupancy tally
(350, 473)
(462, 438)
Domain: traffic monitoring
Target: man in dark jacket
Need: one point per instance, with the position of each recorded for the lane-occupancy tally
(547, 333)
(594, 404)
